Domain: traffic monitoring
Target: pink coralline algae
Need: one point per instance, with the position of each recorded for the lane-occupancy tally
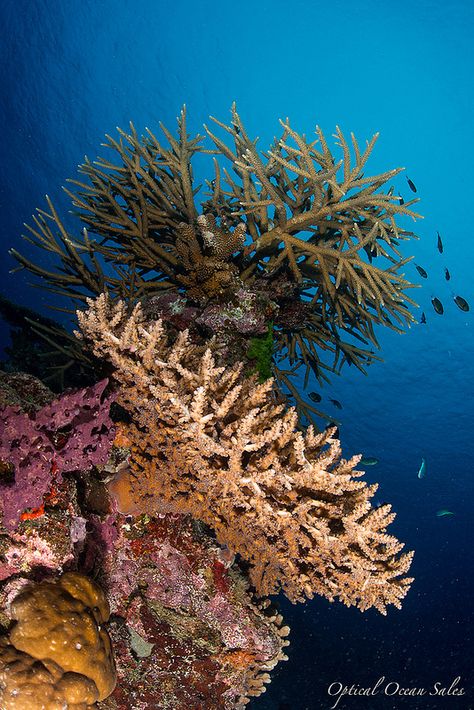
(184, 637)
(41, 546)
(74, 432)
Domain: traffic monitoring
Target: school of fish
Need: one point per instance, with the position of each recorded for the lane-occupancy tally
(438, 307)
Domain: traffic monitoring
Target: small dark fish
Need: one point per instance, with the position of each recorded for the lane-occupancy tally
(422, 469)
(314, 396)
(421, 271)
(461, 303)
(447, 275)
(437, 305)
(423, 318)
(440, 244)
(411, 185)
(369, 461)
(401, 200)
(336, 403)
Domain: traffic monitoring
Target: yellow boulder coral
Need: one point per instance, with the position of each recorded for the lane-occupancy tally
(57, 655)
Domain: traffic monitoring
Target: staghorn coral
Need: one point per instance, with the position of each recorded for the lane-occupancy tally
(296, 213)
(57, 654)
(315, 216)
(208, 442)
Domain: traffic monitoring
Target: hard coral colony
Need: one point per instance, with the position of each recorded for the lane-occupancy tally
(295, 231)
(191, 316)
(209, 442)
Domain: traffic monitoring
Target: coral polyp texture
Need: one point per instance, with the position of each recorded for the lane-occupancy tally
(207, 441)
(57, 655)
(300, 226)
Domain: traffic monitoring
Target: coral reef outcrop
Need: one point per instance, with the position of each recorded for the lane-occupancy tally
(185, 629)
(201, 469)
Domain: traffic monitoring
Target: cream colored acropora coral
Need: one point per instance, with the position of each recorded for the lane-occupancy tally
(207, 441)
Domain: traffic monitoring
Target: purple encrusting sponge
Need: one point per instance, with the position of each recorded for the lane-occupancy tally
(72, 433)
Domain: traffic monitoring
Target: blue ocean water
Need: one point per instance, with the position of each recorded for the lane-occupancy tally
(73, 70)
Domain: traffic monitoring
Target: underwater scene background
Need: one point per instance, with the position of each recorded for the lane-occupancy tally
(72, 71)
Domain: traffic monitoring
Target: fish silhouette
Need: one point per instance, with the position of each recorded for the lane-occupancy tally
(422, 469)
(411, 185)
(440, 244)
(461, 303)
(421, 271)
(437, 305)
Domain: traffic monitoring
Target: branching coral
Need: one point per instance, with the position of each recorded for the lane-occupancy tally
(295, 224)
(209, 442)
(209, 273)
(57, 655)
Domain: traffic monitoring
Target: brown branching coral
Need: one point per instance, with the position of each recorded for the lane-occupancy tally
(295, 214)
(323, 222)
(208, 271)
(209, 442)
(133, 208)
(56, 654)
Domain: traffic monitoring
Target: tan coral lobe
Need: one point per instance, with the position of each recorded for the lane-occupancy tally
(57, 655)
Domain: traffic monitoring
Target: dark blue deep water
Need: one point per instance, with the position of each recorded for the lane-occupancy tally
(72, 70)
